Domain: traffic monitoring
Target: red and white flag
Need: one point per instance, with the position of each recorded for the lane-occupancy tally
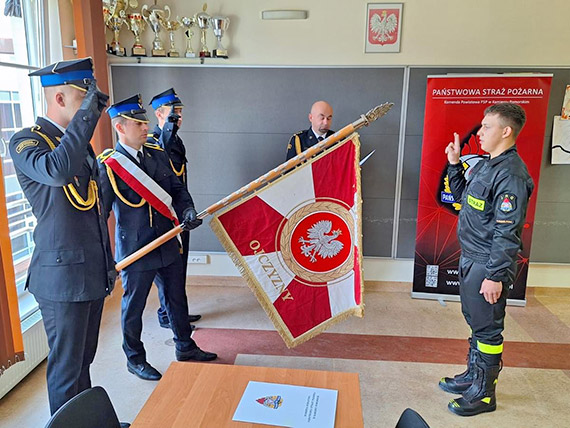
(298, 243)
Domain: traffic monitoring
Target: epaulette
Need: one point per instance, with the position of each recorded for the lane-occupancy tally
(153, 146)
(105, 154)
(152, 136)
(35, 129)
(296, 134)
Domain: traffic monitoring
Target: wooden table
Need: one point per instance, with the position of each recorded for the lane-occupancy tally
(206, 395)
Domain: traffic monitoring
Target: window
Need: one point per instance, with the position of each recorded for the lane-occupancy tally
(21, 42)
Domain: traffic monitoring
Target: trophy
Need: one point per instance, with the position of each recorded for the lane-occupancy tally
(220, 25)
(105, 18)
(137, 24)
(153, 15)
(115, 20)
(203, 20)
(171, 27)
(188, 23)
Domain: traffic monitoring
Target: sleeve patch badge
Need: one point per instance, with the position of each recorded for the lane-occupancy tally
(508, 203)
(25, 144)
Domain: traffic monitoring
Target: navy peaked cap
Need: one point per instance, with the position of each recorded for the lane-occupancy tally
(130, 108)
(166, 98)
(77, 72)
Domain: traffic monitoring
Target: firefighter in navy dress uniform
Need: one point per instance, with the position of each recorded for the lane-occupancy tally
(72, 268)
(494, 199)
(140, 220)
(321, 118)
(168, 110)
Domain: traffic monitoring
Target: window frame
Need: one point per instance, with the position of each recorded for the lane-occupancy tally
(36, 28)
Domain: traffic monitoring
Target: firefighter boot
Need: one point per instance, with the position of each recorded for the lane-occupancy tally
(480, 397)
(461, 382)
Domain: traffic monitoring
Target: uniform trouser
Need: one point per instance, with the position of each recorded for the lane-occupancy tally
(487, 321)
(72, 330)
(136, 285)
(162, 314)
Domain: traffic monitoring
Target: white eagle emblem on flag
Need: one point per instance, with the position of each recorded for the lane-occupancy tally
(319, 243)
(383, 26)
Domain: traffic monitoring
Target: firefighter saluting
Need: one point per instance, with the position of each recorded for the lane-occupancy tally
(494, 199)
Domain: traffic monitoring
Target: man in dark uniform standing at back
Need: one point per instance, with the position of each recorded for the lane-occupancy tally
(72, 268)
(168, 110)
(146, 196)
(494, 199)
(321, 118)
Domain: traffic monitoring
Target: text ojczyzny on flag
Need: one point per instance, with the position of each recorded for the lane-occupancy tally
(298, 243)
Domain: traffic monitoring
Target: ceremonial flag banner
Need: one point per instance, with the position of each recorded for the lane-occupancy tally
(298, 243)
(457, 104)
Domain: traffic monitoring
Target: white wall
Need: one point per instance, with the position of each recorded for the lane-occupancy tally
(434, 32)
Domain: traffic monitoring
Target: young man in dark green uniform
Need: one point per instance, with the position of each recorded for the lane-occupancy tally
(494, 199)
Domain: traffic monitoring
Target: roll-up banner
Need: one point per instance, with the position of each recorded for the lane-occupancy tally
(456, 103)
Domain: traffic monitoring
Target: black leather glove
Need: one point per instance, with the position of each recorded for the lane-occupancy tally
(173, 117)
(191, 220)
(102, 99)
(91, 100)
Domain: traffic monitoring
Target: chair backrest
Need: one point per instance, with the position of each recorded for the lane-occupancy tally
(411, 419)
(91, 408)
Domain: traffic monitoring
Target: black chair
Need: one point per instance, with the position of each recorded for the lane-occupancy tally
(411, 419)
(91, 408)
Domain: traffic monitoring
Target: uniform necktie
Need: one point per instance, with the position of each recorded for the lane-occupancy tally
(140, 158)
(320, 139)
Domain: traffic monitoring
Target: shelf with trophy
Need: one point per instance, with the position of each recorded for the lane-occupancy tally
(119, 13)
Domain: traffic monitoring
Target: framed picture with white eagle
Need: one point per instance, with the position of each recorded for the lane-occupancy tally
(383, 27)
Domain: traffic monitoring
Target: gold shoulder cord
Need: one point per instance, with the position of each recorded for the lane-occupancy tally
(71, 192)
(157, 147)
(178, 173)
(298, 145)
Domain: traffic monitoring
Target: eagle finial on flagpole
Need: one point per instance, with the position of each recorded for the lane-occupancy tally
(372, 115)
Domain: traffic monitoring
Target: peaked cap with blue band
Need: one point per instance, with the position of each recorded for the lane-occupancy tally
(166, 98)
(130, 108)
(77, 72)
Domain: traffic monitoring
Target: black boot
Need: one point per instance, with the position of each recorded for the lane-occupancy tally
(480, 397)
(461, 382)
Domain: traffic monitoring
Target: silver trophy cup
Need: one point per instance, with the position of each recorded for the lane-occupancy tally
(154, 16)
(220, 25)
(203, 20)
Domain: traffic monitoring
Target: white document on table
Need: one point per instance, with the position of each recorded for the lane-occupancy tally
(287, 405)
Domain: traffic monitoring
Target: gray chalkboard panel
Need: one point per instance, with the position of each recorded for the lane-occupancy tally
(552, 223)
(238, 121)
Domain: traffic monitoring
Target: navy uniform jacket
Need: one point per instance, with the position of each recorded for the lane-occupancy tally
(72, 260)
(494, 199)
(136, 227)
(168, 139)
(301, 141)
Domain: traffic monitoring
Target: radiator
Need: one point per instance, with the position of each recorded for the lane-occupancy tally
(35, 351)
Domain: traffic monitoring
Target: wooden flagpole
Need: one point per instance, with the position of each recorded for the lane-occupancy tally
(363, 120)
